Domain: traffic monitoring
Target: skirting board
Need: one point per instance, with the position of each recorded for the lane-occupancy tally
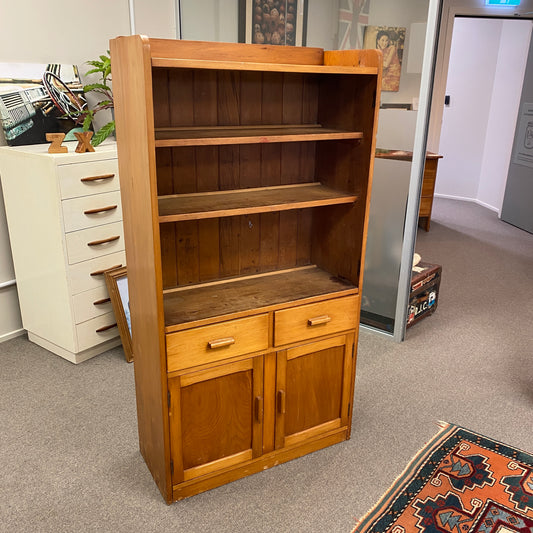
(473, 200)
(12, 335)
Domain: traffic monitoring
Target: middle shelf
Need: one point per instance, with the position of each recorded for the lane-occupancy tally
(195, 206)
(220, 135)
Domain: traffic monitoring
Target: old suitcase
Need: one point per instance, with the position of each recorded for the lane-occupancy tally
(425, 283)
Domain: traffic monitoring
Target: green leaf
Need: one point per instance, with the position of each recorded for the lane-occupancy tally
(97, 64)
(93, 70)
(93, 86)
(105, 59)
(87, 121)
(103, 133)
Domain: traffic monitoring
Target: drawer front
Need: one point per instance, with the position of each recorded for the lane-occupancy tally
(90, 211)
(90, 274)
(425, 207)
(315, 320)
(97, 330)
(90, 304)
(81, 179)
(207, 344)
(94, 242)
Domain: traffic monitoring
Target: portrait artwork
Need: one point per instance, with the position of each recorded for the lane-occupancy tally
(390, 40)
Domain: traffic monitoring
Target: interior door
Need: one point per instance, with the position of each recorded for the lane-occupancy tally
(516, 207)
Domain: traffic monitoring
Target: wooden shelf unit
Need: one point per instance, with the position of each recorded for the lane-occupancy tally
(245, 191)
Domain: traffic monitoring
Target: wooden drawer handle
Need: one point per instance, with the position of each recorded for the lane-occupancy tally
(103, 241)
(102, 301)
(281, 402)
(100, 210)
(324, 319)
(105, 328)
(258, 408)
(96, 178)
(101, 272)
(219, 343)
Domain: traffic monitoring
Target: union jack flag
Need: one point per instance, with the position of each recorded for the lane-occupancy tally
(353, 16)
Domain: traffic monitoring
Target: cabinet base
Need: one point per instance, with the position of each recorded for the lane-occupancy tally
(196, 486)
(71, 356)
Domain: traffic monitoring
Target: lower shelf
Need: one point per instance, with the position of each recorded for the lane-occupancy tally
(201, 304)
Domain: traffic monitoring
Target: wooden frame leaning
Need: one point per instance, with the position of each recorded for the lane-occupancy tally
(117, 286)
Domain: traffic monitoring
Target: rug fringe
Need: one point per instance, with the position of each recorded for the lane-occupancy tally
(429, 445)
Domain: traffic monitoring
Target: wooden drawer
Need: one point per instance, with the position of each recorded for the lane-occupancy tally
(425, 207)
(90, 304)
(90, 274)
(207, 344)
(94, 242)
(90, 211)
(97, 330)
(315, 320)
(94, 177)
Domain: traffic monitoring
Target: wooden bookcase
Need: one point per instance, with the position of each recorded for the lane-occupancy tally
(245, 177)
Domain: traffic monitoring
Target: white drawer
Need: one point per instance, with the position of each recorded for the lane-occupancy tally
(95, 331)
(81, 179)
(90, 211)
(90, 304)
(90, 274)
(94, 242)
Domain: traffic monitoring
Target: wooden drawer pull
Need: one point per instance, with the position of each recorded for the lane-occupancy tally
(102, 301)
(281, 402)
(100, 210)
(324, 319)
(101, 272)
(220, 343)
(96, 178)
(258, 408)
(103, 241)
(105, 328)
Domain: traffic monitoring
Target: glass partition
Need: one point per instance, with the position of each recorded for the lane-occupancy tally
(405, 32)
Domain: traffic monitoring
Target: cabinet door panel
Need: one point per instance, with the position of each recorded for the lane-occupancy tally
(216, 418)
(313, 387)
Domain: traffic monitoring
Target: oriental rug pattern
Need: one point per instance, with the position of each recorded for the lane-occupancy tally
(460, 482)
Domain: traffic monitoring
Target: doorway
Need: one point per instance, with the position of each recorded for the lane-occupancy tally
(488, 58)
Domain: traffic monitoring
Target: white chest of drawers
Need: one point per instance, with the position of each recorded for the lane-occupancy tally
(65, 226)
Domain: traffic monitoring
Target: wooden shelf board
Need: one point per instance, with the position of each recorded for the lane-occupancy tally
(235, 297)
(196, 206)
(222, 135)
(263, 67)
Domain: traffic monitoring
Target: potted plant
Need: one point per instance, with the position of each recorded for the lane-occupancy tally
(101, 88)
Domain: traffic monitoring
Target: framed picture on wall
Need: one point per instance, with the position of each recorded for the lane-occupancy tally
(390, 40)
(117, 287)
(36, 99)
(275, 22)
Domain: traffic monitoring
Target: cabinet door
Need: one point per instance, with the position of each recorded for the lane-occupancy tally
(313, 389)
(216, 418)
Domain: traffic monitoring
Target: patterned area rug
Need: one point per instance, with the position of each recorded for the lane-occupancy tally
(460, 482)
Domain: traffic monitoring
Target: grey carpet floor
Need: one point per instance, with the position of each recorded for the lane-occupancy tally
(68, 446)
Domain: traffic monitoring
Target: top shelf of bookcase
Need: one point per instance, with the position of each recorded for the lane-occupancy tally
(261, 67)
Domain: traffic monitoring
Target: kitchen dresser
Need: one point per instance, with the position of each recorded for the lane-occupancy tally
(65, 227)
(245, 182)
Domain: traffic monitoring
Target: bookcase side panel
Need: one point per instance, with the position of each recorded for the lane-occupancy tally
(134, 113)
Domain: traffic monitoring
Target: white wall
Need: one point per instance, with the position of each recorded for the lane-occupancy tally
(403, 14)
(506, 91)
(60, 32)
(487, 61)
